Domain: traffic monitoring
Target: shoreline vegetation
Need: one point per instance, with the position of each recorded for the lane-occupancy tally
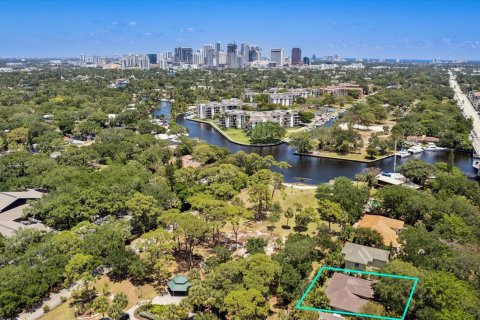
(356, 157)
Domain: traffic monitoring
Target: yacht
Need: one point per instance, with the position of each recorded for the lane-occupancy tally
(403, 154)
(433, 147)
(415, 149)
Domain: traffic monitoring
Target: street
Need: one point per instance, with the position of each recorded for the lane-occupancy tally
(468, 111)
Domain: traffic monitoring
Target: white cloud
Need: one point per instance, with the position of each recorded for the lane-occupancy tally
(188, 30)
(132, 23)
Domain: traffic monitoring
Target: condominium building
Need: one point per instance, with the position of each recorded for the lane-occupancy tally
(135, 61)
(286, 98)
(342, 89)
(214, 109)
(242, 119)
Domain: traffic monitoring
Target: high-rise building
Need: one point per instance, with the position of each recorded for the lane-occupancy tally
(222, 58)
(184, 55)
(197, 58)
(152, 57)
(254, 54)
(162, 63)
(296, 56)
(218, 46)
(306, 60)
(277, 56)
(232, 55)
(134, 61)
(206, 47)
(211, 58)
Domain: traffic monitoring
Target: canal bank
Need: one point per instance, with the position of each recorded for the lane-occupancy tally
(312, 170)
(339, 157)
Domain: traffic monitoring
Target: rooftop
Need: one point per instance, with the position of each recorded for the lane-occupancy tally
(348, 293)
(179, 284)
(362, 254)
(387, 227)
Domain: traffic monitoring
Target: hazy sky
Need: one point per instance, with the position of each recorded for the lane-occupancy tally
(374, 29)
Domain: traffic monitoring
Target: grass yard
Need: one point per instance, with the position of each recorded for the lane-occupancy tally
(290, 196)
(238, 135)
(62, 312)
(135, 295)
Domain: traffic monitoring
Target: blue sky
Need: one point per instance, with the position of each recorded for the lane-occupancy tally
(373, 29)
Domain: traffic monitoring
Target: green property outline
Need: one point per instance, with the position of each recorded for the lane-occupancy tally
(299, 303)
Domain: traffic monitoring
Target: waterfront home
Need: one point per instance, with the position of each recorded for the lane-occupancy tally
(362, 257)
(347, 293)
(388, 228)
(394, 179)
(424, 139)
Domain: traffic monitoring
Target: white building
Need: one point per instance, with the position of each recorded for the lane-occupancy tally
(214, 109)
(242, 119)
(135, 61)
(277, 56)
(197, 58)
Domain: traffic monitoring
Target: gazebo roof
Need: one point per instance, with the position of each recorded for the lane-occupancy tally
(179, 284)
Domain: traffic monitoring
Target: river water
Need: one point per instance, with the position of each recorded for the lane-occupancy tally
(316, 170)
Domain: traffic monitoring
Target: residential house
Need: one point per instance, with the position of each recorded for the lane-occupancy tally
(347, 293)
(388, 228)
(12, 205)
(361, 257)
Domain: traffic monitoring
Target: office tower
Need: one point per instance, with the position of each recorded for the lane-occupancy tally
(232, 55)
(218, 46)
(83, 57)
(296, 56)
(244, 51)
(206, 47)
(277, 56)
(152, 57)
(306, 60)
(184, 55)
(197, 58)
(211, 57)
(254, 54)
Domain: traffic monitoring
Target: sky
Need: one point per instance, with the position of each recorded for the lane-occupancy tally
(356, 29)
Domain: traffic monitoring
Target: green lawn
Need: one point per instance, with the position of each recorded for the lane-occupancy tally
(237, 134)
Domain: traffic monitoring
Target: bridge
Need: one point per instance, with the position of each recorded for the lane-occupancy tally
(469, 112)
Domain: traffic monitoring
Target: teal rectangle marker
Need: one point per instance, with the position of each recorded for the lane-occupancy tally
(414, 286)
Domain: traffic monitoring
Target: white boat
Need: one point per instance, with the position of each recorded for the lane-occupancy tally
(433, 147)
(415, 149)
(403, 154)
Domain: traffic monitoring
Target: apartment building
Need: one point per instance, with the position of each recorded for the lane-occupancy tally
(242, 119)
(214, 108)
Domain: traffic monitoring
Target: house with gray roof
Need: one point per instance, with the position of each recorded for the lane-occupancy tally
(347, 293)
(361, 257)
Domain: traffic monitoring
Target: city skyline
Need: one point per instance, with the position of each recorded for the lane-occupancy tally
(34, 29)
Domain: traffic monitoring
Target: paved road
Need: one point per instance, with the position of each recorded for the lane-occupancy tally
(53, 301)
(468, 111)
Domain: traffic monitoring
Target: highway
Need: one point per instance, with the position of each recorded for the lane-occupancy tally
(468, 111)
